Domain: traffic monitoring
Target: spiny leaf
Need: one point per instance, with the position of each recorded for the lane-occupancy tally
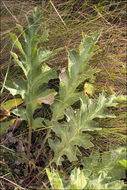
(77, 179)
(17, 86)
(34, 88)
(71, 133)
(106, 162)
(21, 29)
(55, 180)
(45, 54)
(96, 172)
(33, 25)
(78, 71)
(121, 99)
(19, 63)
(17, 42)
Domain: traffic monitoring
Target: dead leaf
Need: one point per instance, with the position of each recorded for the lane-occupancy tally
(63, 76)
(47, 100)
(4, 114)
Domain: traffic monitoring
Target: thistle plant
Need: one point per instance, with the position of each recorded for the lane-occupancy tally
(75, 131)
(99, 172)
(33, 86)
(77, 127)
(77, 72)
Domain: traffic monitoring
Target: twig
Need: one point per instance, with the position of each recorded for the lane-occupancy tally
(12, 183)
(39, 151)
(59, 14)
(36, 176)
(10, 13)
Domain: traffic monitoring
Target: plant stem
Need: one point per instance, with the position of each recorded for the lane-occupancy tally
(41, 172)
(29, 144)
(39, 151)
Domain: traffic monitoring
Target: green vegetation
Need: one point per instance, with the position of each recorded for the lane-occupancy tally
(99, 172)
(60, 136)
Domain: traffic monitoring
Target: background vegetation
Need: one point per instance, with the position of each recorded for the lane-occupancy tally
(65, 20)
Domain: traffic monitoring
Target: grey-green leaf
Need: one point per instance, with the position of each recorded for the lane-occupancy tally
(37, 123)
(71, 133)
(78, 71)
(17, 86)
(17, 42)
(55, 180)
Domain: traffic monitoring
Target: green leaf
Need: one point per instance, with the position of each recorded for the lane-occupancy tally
(46, 73)
(37, 123)
(55, 180)
(123, 163)
(33, 24)
(98, 108)
(78, 71)
(120, 99)
(17, 86)
(17, 42)
(44, 54)
(105, 183)
(80, 180)
(59, 107)
(10, 104)
(20, 112)
(71, 133)
(77, 179)
(34, 90)
(21, 29)
(19, 63)
(107, 162)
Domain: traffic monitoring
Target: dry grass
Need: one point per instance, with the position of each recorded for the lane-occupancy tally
(77, 17)
(66, 22)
